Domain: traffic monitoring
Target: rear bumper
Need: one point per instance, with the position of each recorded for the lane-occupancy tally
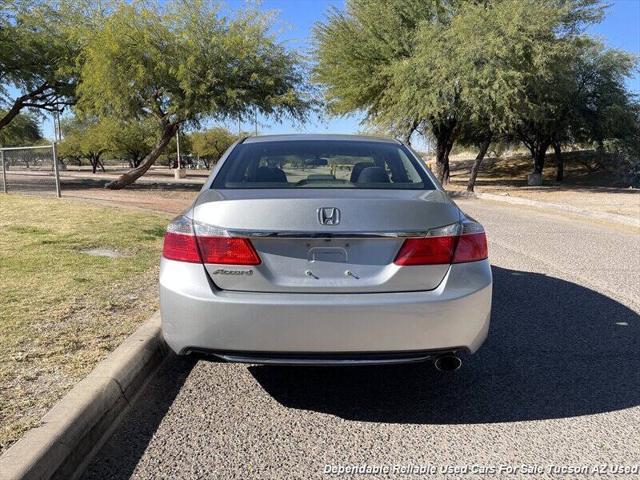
(324, 328)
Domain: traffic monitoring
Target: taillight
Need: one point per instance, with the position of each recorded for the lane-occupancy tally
(472, 243)
(180, 241)
(228, 250)
(455, 243)
(426, 251)
(188, 241)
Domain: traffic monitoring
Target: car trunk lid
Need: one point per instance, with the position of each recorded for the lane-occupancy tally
(352, 252)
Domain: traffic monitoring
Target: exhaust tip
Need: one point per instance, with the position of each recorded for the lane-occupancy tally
(447, 363)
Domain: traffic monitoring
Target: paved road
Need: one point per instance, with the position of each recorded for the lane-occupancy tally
(557, 383)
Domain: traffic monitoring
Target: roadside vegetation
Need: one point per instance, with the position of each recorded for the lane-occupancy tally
(168, 66)
(477, 73)
(132, 75)
(61, 309)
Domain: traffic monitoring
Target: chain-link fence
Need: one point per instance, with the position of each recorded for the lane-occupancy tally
(30, 169)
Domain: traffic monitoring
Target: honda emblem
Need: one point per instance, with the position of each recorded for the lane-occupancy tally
(329, 216)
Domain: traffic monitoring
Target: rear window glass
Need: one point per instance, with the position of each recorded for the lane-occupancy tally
(322, 164)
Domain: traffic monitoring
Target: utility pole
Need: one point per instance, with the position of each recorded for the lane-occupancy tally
(255, 119)
(56, 171)
(178, 148)
(57, 127)
(4, 172)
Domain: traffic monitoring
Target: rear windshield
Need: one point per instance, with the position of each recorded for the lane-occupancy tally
(322, 164)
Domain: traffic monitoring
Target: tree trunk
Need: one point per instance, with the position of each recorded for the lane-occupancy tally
(539, 157)
(484, 146)
(559, 161)
(441, 157)
(406, 136)
(94, 159)
(134, 158)
(132, 175)
(445, 134)
(447, 168)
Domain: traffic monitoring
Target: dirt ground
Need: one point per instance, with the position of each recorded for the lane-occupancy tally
(601, 190)
(157, 190)
(167, 201)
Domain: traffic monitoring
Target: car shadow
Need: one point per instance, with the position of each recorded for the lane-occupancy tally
(555, 349)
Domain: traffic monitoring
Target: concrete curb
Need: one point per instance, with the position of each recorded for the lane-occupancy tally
(611, 217)
(81, 420)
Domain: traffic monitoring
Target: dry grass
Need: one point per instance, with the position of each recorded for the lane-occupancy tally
(61, 310)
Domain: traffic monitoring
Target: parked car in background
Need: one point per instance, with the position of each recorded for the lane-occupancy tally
(325, 249)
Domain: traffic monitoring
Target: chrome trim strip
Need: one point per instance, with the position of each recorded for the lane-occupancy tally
(320, 361)
(293, 234)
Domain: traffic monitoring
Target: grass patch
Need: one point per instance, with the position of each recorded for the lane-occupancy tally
(61, 310)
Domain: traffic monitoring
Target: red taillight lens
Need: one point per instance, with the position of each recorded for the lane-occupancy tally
(186, 241)
(228, 251)
(183, 248)
(456, 243)
(180, 242)
(471, 248)
(426, 251)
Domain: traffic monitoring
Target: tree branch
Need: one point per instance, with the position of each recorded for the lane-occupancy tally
(38, 98)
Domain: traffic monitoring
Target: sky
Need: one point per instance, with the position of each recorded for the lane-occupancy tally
(620, 29)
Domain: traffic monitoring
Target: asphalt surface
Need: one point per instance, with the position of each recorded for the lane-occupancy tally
(557, 383)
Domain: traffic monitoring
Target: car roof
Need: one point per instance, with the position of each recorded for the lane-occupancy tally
(318, 137)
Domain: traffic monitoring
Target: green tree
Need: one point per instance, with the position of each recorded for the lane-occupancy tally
(182, 63)
(374, 76)
(92, 138)
(493, 50)
(131, 140)
(85, 138)
(571, 84)
(209, 145)
(600, 108)
(452, 68)
(39, 48)
(23, 130)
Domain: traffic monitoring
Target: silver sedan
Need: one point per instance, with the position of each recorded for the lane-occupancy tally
(328, 250)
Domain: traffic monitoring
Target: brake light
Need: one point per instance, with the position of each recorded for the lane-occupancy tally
(455, 243)
(471, 248)
(228, 251)
(188, 241)
(426, 251)
(180, 242)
